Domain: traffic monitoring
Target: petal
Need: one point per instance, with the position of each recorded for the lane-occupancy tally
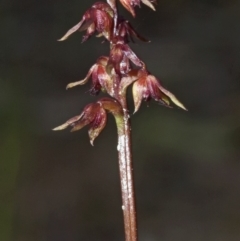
(84, 81)
(128, 80)
(97, 125)
(86, 117)
(137, 91)
(61, 127)
(105, 80)
(75, 119)
(124, 65)
(165, 100)
(131, 55)
(90, 30)
(68, 123)
(96, 86)
(86, 23)
(72, 30)
(172, 97)
(128, 6)
(103, 22)
(149, 4)
(153, 87)
(164, 94)
(80, 124)
(112, 3)
(116, 56)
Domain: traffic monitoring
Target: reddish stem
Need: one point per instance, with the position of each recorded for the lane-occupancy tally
(126, 175)
(124, 186)
(125, 158)
(129, 164)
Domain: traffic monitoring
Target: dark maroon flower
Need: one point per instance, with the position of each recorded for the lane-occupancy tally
(98, 18)
(146, 87)
(101, 78)
(120, 55)
(95, 115)
(130, 4)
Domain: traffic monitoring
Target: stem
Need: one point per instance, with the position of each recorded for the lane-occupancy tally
(126, 175)
(129, 164)
(125, 158)
(124, 186)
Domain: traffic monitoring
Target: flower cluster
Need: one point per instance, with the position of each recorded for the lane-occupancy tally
(114, 73)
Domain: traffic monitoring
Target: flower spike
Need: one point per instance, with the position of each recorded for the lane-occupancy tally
(113, 74)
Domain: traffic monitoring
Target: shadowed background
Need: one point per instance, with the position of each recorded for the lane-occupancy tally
(54, 186)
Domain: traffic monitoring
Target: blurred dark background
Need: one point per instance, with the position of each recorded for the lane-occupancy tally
(57, 187)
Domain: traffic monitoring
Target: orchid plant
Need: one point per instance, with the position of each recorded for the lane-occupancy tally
(113, 74)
